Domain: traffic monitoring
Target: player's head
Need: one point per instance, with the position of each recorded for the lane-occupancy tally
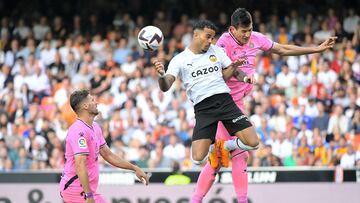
(81, 101)
(241, 25)
(204, 34)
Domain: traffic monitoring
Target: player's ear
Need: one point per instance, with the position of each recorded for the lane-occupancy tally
(232, 28)
(84, 105)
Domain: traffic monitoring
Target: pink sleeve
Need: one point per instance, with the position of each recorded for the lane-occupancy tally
(264, 42)
(79, 141)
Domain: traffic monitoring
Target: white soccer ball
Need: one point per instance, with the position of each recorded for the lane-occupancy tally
(150, 38)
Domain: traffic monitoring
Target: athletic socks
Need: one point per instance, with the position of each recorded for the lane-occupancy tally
(239, 174)
(204, 183)
(231, 145)
(206, 157)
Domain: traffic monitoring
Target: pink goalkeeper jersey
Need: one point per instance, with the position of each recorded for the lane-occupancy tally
(82, 139)
(235, 51)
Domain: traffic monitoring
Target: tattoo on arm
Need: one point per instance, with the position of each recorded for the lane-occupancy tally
(166, 82)
(240, 75)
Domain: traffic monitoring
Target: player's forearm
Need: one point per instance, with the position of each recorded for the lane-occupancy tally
(164, 83)
(293, 50)
(82, 173)
(228, 72)
(120, 163)
(240, 75)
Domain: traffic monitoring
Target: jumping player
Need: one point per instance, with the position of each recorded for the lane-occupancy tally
(201, 67)
(241, 42)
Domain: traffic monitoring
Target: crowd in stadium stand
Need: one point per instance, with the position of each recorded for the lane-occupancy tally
(305, 109)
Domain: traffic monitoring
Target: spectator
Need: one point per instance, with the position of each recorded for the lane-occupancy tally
(41, 28)
(351, 21)
(304, 77)
(12, 53)
(326, 76)
(284, 79)
(174, 150)
(338, 120)
(354, 126)
(157, 158)
(177, 178)
(24, 162)
(302, 119)
(349, 158)
(282, 146)
(121, 53)
(321, 121)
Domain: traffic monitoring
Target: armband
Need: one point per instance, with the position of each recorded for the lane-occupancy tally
(88, 195)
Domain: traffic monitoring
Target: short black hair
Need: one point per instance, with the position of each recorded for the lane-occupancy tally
(241, 17)
(77, 97)
(202, 24)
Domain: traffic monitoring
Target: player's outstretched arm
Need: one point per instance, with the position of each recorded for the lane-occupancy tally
(293, 50)
(165, 80)
(114, 160)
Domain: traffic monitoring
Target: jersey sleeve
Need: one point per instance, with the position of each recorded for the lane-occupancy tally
(265, 43)
(174, 67)
(79, 141)
(223, 58)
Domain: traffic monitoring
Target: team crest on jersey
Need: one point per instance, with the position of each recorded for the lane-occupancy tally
(82, 143)
(251, 45)
(213, 58)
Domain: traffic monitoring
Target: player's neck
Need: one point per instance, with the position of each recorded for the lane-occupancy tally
(194, 49)
(88, 119)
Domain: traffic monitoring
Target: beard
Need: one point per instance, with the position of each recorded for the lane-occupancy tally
(94, 112)
(204, 50)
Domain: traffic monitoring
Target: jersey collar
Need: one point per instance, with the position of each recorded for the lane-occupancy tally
(85, 124)
(234, 38)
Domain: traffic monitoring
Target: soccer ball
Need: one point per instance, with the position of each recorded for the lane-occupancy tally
(150, 38)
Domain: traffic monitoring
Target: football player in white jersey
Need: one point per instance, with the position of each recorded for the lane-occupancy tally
(203, 67)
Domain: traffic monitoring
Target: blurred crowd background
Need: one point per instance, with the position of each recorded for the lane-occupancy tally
(305, 109)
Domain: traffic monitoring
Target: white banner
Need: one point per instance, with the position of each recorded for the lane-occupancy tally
(220, 193)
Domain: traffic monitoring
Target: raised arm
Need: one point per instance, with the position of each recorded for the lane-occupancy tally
(293, 50)
(165, 80)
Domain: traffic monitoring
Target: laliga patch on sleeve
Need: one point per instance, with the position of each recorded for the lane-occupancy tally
(82, 143)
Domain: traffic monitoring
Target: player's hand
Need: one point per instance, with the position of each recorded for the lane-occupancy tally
(90, 200)
(329, 43)
(238, 62)
(159, 67)
(142, 176)
(250, 79)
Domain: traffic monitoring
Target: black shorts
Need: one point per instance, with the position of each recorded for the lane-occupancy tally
(219, 107)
